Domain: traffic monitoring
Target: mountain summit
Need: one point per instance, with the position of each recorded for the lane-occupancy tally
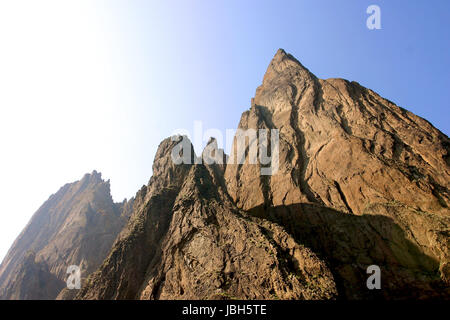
(75, 226)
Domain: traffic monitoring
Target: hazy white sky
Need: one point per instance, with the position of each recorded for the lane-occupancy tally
(59, 97)
(89, 85)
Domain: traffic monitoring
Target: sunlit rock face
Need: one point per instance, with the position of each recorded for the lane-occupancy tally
(360, 181)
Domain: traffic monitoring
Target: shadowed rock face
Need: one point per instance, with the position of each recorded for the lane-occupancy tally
(32, 280)
(75, 226)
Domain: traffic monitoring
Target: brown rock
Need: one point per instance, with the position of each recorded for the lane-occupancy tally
(361, 180)
(75, 226)
(189, 241)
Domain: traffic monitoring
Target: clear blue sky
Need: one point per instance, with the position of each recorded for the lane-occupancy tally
(202, 60)
(98, 84)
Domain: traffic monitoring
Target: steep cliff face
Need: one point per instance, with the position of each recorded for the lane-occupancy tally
(187, 240)
(342, 146)
(75, 226)
(360, 180)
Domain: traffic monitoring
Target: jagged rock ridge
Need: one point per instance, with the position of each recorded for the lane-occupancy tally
(75, 226)
(187, 240)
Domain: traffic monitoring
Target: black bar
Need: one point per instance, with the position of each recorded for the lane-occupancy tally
(229, 309)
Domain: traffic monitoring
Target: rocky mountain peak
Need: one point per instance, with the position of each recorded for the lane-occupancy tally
(93, 177)
(172, 162)
(346, 149)
(285, 81)
(285, 65)
(75, 226)
(282, 57)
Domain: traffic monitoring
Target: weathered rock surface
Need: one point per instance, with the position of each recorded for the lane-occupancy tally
(75, 226)
(187, 240)
(341, 145)
(361, 181)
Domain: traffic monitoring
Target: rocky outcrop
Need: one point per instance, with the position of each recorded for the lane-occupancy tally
(187, 240)
(341, 146)
(75, 226)
(361, 181)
